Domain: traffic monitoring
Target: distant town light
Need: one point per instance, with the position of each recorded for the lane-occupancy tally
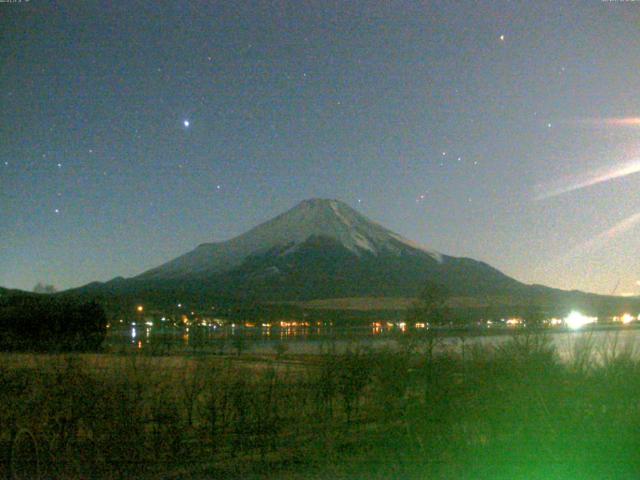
(140, 308)
(576, 320)
(627, 318)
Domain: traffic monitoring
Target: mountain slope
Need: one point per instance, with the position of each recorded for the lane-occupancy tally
(323, 249)
(318, 249)
(310, 218)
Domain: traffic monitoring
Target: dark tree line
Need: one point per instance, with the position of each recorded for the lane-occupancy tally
(431, 305)
(50, 324)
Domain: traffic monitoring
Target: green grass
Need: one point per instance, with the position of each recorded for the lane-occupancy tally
(513, 411)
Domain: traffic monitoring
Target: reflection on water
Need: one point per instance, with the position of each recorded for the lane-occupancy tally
(305, 337)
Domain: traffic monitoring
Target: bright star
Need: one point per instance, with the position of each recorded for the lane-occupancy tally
(186, 123)
(502, 38)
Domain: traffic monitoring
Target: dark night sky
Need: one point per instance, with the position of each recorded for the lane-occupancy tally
(502, 131)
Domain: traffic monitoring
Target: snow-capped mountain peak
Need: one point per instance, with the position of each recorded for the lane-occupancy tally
(328, 218)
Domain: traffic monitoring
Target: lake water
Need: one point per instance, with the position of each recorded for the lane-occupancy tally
(602, 342)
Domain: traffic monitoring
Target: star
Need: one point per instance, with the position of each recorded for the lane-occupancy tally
(56, 211)
(186, 123)
(502, 38)
(59, 165)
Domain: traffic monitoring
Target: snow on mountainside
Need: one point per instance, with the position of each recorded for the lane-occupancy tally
(323, 249)
(310, 218)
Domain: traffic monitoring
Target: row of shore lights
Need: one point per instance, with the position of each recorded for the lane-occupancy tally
(574, 320)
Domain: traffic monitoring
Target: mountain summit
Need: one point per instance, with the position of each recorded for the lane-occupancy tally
(324, 249)
(314, 218)
(321, 248)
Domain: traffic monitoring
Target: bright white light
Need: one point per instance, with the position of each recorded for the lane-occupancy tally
(133, 333)
(576, 320)
(627, 318)
(186, 123)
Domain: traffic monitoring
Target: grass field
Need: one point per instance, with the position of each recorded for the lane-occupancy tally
(511, 411)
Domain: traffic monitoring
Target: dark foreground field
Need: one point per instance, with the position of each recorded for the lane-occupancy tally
(508, 412)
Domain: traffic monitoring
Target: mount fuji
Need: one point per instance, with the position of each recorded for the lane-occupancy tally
(320, 248)
(311, 222)
(324, 249)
